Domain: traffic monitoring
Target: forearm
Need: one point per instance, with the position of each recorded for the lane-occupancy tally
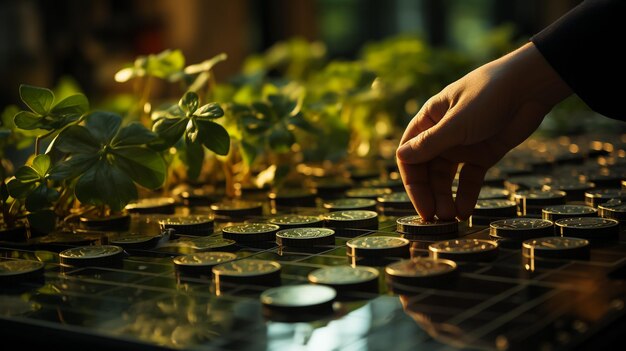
(583, 48)
(533, 78)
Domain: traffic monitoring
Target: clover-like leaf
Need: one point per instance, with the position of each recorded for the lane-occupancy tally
(20, 190)
(39, 100)
(189, 102)
(108, 160)
(206, 65)
(169, 131)
(194, 158)
(195, 125)
(72, 105)
(213, 136)
(211, 110)
(105, 184)
(269, 124)
(280, 139)
(41, 197)
(43, 115)
(31, 184)
(41, 164)
(167, 64)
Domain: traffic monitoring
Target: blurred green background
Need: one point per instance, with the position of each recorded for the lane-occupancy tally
(86, 42)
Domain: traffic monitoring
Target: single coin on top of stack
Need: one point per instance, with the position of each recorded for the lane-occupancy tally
(594, 229)
(554, 213)
(305, 237)
(416, 225)
(251, 232)
(378, 247)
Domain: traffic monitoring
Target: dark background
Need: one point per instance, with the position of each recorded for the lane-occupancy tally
(42, 41)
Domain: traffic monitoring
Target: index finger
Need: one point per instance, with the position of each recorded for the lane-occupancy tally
(417, 186)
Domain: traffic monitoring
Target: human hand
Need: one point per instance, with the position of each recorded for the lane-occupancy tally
(474, 122)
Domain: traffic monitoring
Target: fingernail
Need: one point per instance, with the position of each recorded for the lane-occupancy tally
(404, 152)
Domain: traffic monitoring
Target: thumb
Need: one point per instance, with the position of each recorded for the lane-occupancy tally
(428, 144)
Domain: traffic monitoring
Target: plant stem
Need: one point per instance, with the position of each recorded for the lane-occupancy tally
(228, 174)
(39, 138)
(209, 87)
(6, 213)
(145, 96)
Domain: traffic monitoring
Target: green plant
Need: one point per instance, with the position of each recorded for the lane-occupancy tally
(167, 65)
(194, 124)
(11, 210)
(103, 161)
(45, 115)
(32, 187)
(269, 128)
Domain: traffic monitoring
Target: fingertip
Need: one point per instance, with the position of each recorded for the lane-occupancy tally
(464, 212)
(403, 153)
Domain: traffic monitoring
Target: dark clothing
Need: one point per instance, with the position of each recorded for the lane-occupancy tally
(583, 47)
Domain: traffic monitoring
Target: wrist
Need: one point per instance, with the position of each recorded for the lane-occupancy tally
(535, 80)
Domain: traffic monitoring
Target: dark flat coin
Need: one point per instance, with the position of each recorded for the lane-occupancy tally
(294, 302)
(420, 272)
(135, 241)
(350, 204)
(237, 208)
(202, 262)
(383, 183)
(574, 188)
(332, 188)
(360, 174)
(417, 226)
(351, 222)
(596, 197)
(532, 201)
(247, 271)
(556, 247)
(204, 258)
(554, 213)
(17, 271)
(395, 201)
(590, 228)
(249, 232)
(296, 221)
(491, 193)
(464, 250)
(189, 225)
(209, 243)
(614, 209)
(338, 276)
(521, 228)
(293, 197)
(378, 246)
(367, 193)
(114, 222)
(105, 255)
(163, 205)
(305, 237)
(495, 208)
(395, 198)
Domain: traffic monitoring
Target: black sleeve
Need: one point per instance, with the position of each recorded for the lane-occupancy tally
(584, 47)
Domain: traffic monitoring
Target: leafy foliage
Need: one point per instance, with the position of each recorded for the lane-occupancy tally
(269, 125)
(195, 124)
(44, 114)
(108, 160)
(166, 65)
(31, 184)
